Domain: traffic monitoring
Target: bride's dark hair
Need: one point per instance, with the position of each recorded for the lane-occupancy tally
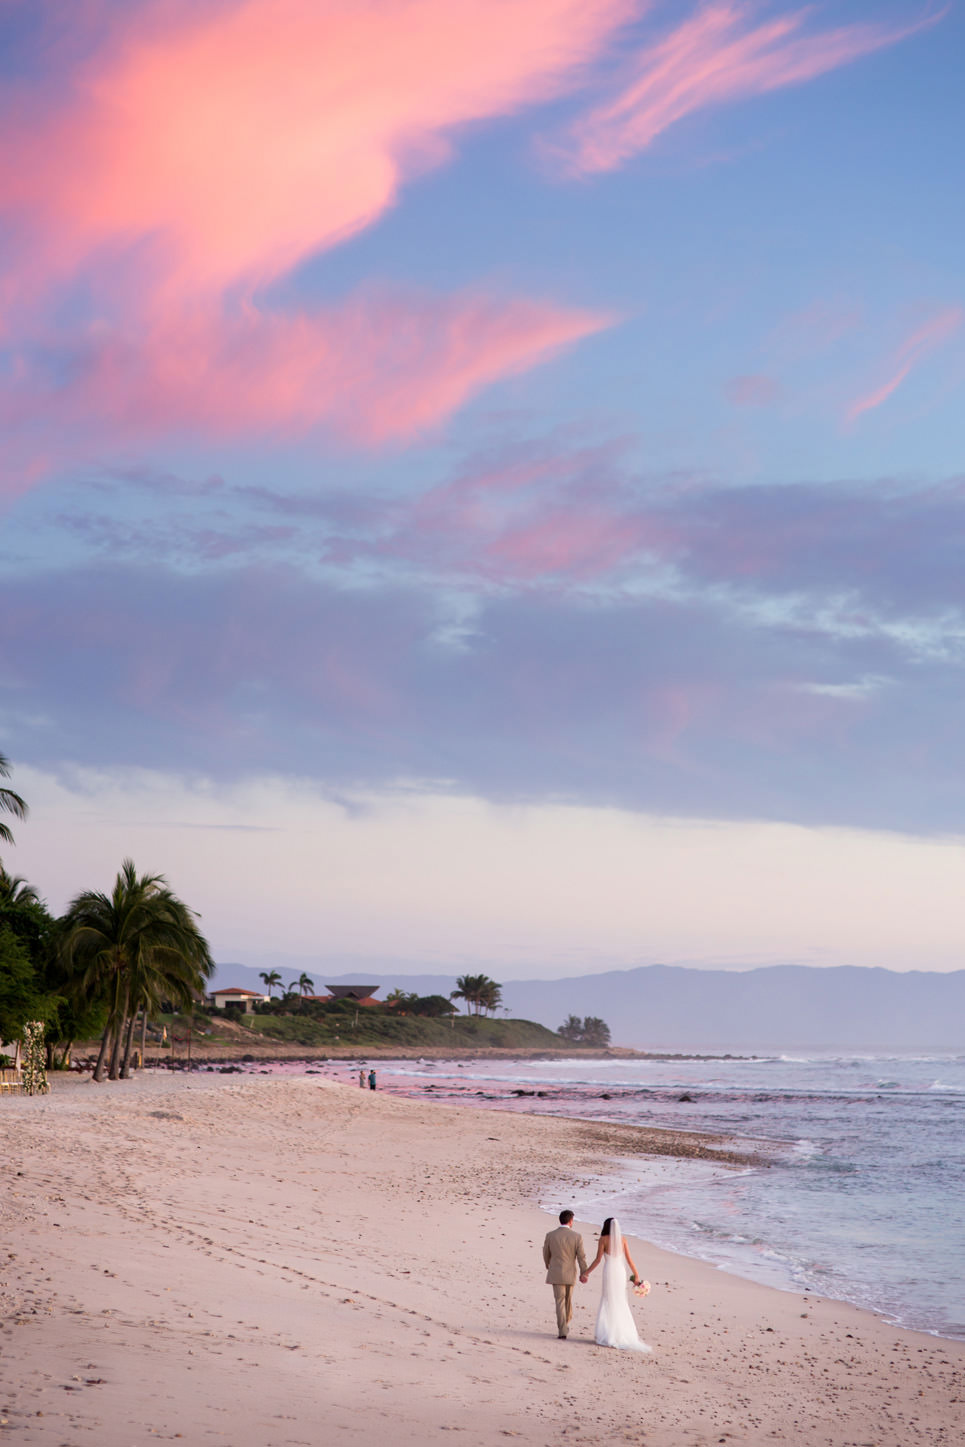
(607, 1226)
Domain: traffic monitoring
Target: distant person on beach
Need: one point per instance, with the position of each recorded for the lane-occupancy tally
(371, 1080)
(362, 1079)
(565, 1262)
(615, 1326)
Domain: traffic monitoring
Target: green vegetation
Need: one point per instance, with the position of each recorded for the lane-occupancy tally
(133, 949)
(480, 993)
(340, 1023)
(9, 802)
(109, 959)
(21, 995)
(27, 988)
(591, 1031)
(407, 1002)
(406, 1020)
(34, 981)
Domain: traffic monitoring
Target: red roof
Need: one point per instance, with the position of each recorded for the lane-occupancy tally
(235, 990)
(326, 999)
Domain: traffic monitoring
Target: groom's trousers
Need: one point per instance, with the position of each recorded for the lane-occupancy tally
(563, 1295)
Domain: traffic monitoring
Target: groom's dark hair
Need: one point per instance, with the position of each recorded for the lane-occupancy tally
(566, 1217)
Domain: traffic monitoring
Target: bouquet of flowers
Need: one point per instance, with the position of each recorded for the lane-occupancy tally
(640, 1288)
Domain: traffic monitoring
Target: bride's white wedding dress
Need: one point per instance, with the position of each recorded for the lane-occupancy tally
(615, 1326)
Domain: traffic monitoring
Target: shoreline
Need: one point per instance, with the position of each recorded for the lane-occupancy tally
(271, 1052)
(712, 1144)
(623, 1138)
(238, 1258)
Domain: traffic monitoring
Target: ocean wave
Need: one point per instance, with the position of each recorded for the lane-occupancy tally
(854, 1206)
(805, 1149)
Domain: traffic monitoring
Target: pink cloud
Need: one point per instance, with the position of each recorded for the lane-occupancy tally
(176, 156)
(578, 543)
(229, 140)
(752, 391)
(715, 56)
(816, 327)
(379, 368)
(912, 351)
(567, 516)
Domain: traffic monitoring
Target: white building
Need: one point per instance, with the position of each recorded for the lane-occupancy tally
(235, 996)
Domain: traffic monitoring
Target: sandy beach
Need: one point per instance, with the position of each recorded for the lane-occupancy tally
(260, 1262)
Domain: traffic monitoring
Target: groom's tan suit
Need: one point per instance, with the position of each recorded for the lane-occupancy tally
(565, 1263)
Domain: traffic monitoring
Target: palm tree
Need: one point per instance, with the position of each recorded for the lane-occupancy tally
(161, 979)
(466, 990)
(479, 991)
(11, 802)
(133, 948)
(272, 980)
(304, 985)
(490, 994)
(15, 891)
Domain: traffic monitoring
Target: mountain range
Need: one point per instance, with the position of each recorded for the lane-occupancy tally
(669, 1007)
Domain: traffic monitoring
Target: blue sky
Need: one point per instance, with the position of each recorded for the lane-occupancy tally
(536, 407)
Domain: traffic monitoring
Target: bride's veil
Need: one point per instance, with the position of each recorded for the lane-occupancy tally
(615, 1326)
(614, 1278)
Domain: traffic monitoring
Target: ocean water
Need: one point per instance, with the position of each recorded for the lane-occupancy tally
(864, 1200)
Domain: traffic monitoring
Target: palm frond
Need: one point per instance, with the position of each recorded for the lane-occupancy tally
(10, 802)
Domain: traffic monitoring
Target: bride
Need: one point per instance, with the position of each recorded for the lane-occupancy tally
(615, 1326)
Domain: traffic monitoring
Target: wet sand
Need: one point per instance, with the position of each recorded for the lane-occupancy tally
(257, 1261)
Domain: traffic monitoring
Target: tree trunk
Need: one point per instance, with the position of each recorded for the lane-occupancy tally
(65, 1057)
(144, 1037)
(102, 1056)
(115, 1069)
(126, 1067)
(110, 1028)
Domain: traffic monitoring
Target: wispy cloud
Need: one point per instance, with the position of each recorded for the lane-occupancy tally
(556, 518)
(815, 328)
(720, 53)
(166, 161)
(519, 519)
(678, 704)
(228, 141)
(924, 340)
(380, 367)
(753, 390)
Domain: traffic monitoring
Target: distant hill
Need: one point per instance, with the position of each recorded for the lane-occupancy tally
(778, 1007)
(667, 1007)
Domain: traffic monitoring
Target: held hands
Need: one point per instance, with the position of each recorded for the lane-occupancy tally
(584, 1279)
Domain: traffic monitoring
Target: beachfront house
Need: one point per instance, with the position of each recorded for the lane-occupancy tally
(235, 996)
(356, 994)
(361, 994)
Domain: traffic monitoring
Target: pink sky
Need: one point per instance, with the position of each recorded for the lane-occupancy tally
(537, 404)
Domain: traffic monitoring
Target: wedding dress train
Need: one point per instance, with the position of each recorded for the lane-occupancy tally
(615, 1326)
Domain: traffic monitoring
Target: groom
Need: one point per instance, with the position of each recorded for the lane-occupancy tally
(562, 1253)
